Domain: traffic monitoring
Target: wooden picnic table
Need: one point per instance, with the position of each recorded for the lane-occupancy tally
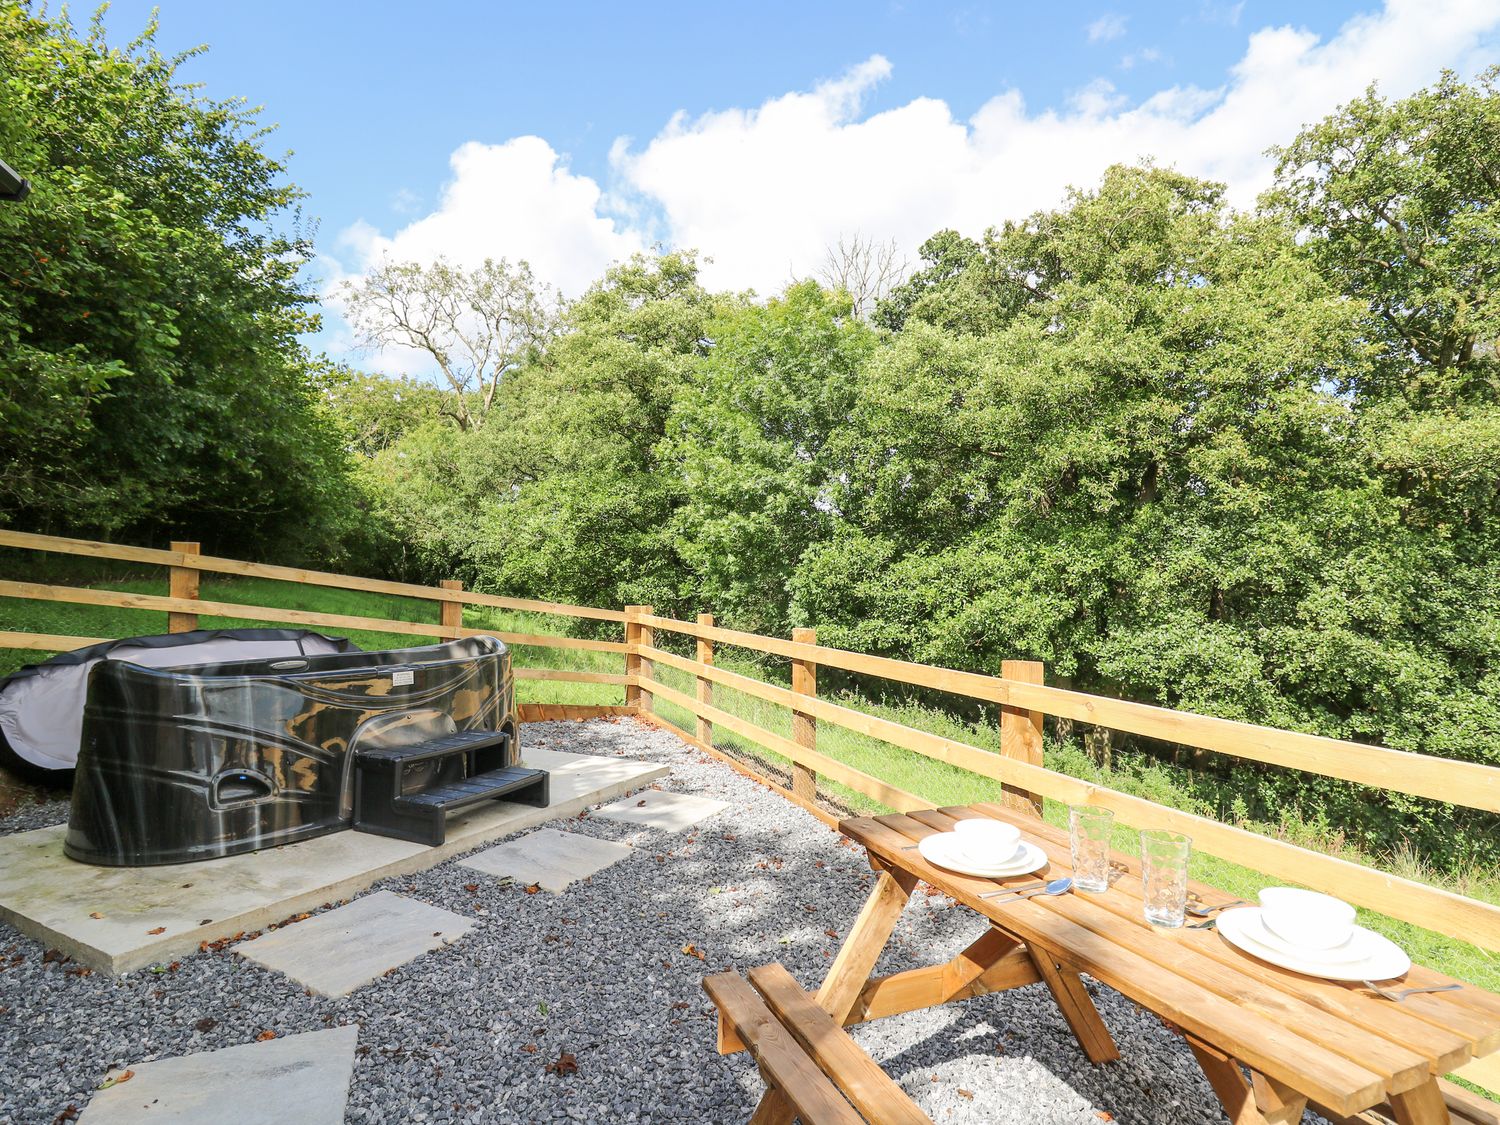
(1302, 1039)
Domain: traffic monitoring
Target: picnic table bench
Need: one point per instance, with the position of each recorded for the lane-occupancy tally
(1304, 1041)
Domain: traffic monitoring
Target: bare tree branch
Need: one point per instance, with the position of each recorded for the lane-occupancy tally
(864, 269)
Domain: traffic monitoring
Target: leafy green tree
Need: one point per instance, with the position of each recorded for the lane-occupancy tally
(1144, 472)
(749, 437)
(377, 411)
(1401, 205)
(562, 492)
(153, 381)
(1112, 457)
(947, 256)
(1400, 202)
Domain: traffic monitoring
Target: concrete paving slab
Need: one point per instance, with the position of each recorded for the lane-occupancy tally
(337, 952)
(549, 857)
(123, 918)
(656, 808)
(302, 1078)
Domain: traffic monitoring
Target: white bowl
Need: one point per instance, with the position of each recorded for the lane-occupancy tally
(986, 839)
(1306, 919)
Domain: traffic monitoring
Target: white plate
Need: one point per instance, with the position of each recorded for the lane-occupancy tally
(944, 849)
(1383, 959)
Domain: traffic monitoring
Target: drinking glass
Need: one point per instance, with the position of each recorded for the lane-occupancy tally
(1164, 871)
(1088, 835)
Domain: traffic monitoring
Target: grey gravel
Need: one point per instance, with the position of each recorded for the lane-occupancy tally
(464, 1034)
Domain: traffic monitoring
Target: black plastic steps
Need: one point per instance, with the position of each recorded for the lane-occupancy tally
(472, 790)
(407, 791)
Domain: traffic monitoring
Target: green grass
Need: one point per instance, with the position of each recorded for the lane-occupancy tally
(935, 781)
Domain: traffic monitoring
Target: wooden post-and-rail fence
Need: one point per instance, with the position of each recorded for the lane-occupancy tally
(1022, 696)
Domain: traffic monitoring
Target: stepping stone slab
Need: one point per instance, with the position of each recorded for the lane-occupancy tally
(302, 1078)
(656, 808)
(548, 857)
(337, 952)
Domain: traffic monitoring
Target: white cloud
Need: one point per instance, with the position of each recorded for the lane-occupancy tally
(1139, 58)
(764, 190)
(516, 200)
(1106, 27)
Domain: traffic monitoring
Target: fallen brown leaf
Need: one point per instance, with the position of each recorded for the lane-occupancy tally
(264, 1035)
(158, 930)
(1104, 1115)
(693, 951)
(96, 914)
(530, 1048)
(206, 1024)
(472, 888)
(565, 1064)
(69, 1114)
(533, 888)
(831, 932)
(966, 1093)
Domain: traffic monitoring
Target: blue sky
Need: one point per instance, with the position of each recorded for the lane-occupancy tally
(798, 121)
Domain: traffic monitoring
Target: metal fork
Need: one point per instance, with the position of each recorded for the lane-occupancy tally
(1399, 994)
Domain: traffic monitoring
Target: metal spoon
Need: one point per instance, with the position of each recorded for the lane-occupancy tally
(1205, 911)
(1400, 994)
(1056, 887)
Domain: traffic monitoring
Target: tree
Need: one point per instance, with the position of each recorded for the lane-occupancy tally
(153, 382)
(1402, 203)
(475, 325)
(864, 269)
(563, 493)
(749, 437)
(947, 255)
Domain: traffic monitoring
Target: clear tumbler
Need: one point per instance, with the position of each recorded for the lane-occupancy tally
(1088, 835)
(1164, 872)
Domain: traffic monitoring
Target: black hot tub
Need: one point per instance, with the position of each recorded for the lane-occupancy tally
(191, 763)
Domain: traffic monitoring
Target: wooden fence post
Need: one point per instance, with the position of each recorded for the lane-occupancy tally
(705, 687)
(182, 582)
(632, 661)
(647, 667)
(804, 726)
(1021, 734)
(451, 614)
(635, 665)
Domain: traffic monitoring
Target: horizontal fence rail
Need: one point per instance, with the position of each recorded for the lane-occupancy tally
(1017, 769)
(89, 549)
(1401, 898)
(1421, 775)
